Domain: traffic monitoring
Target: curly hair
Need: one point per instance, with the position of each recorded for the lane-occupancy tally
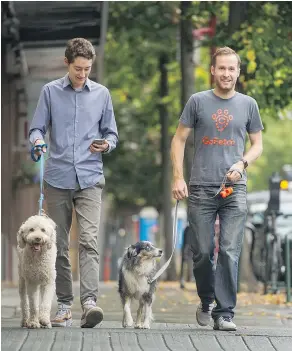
(225, 51)
(79, 47)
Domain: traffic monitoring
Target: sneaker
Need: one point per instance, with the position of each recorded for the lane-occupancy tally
(92, 314)
(224, 323)
(203, 314)
(63, 316)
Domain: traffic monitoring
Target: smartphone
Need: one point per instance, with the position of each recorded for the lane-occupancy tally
(98, 141)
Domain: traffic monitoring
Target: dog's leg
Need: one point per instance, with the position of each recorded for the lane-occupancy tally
(23, 302)
(46, 297)
(138, 324)
(33, 298)
(127, 317)
(148, 315)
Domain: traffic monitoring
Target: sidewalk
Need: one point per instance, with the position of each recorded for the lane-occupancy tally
(262, 325)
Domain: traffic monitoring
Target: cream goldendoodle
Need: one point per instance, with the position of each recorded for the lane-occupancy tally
(37, 253)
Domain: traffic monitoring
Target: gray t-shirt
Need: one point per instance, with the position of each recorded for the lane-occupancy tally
(220, 127)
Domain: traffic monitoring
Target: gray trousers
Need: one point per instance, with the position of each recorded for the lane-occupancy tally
(87, 204)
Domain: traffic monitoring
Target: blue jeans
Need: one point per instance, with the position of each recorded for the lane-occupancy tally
(218, 284)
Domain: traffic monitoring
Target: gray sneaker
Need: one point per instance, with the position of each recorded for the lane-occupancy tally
(224, 323)
(92, 314)
(63, 316)
(203, 314)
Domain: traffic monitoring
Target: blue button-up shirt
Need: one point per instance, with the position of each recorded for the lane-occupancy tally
(74, 118)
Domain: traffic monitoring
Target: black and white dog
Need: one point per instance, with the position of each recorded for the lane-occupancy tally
(137, 267)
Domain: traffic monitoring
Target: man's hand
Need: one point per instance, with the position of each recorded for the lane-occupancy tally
(39, 142)
(179, 189)
(233, 175)
(99, 148)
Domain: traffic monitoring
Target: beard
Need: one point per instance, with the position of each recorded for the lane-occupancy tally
(225, 86)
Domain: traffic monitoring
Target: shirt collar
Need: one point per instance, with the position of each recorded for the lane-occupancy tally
(68, 82)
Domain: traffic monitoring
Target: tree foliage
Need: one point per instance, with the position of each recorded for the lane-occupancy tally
(264, 43)
(139, 32)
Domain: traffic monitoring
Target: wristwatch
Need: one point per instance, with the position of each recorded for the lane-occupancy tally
(244, 162)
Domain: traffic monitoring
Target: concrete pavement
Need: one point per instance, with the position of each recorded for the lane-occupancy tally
(264, 323)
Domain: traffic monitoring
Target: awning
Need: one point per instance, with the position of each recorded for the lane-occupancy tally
(53, 23)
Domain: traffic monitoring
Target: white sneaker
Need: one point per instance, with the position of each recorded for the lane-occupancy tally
(224, 323)
(92, 314)
(63, 316)
(203, 314)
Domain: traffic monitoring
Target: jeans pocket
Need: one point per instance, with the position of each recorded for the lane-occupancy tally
(199, 193)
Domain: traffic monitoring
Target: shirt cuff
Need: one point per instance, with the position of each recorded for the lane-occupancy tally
(35, 134)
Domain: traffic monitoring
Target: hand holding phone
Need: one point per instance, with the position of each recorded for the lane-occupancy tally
(99, 145)
(98, 141)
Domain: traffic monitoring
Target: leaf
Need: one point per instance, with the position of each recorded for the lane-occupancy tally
(278, 82)
(251, 67)
(251, 55)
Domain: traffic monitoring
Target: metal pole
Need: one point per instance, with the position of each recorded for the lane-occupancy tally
(275, 263)
(288, 270)
(100, 49)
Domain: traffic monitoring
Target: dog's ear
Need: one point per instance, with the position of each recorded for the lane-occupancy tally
(20, 240)
(53, 224)
(132, 252)
(52, 231)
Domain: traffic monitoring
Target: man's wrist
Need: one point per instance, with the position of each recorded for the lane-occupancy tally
(107, 149)
(244, 162)
(175, 178)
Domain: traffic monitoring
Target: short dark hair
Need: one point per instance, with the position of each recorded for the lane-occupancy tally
(79, 47)
(225, 51)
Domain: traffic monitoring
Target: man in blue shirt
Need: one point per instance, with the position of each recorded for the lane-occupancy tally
(75, 111)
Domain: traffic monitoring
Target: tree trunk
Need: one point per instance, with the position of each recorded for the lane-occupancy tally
(187, 73)
(166, 171)
(237, 15)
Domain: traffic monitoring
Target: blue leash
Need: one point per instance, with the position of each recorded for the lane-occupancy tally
(37, 159)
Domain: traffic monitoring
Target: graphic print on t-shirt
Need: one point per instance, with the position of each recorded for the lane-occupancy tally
(222, 119)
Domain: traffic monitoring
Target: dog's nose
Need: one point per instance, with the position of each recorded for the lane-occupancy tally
(160, 251)
(38, 239)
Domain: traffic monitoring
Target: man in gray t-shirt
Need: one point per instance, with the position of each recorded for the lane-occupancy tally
(221, 118)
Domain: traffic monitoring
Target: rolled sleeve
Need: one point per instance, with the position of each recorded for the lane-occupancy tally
(108, 126)
(41, 118)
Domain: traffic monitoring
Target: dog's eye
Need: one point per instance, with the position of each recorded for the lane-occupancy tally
(31, 230)
(43, 230)
(147, 248)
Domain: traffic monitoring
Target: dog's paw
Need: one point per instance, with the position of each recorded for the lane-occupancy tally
(128, 322)
(138, 326)
(24, 323)
(45, 323)
(33, 324)
(145, 325)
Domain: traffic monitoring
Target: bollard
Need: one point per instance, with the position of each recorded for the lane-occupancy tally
(288, 269)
